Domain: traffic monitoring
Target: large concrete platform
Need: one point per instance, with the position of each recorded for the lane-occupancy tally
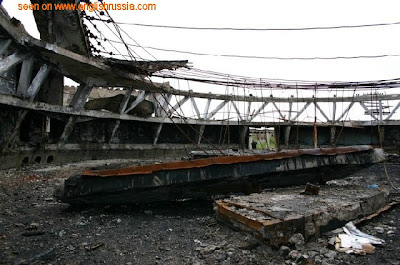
(275, 216)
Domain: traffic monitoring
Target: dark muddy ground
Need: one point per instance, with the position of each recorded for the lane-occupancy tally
(35, 229)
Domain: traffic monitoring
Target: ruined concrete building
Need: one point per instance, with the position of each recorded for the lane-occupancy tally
(44, 122)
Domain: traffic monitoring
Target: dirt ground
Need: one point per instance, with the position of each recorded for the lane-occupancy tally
(35, 229)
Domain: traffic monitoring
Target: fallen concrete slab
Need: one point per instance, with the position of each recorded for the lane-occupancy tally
(276, 216)
(202, 178)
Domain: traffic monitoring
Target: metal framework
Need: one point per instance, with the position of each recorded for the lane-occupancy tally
(27, 65)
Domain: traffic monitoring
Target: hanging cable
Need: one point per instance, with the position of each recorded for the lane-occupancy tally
(254, 29)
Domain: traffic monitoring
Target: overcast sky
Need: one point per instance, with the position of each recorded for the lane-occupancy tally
(265, 14)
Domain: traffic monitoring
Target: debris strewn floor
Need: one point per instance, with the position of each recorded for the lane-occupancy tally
(36, 229)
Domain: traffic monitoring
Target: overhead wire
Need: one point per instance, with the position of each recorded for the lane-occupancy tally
(167, 101)
(263, 57)
(259, 29)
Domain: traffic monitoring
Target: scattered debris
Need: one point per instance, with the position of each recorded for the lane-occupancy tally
(93, 247)
(311, 189)
(355, 241)
(44, 256)
(196, 236)
(297, 240)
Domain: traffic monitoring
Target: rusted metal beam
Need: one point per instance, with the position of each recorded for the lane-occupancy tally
(224, 160)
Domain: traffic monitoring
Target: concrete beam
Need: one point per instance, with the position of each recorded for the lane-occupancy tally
(38, 81)
(178, 105)
(137, 101)
(278, 99)
(25, 77)
(94, 114)
(12, 60)
(80, 97)
(4, 44)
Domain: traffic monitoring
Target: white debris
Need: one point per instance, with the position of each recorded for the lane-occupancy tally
(355, 241)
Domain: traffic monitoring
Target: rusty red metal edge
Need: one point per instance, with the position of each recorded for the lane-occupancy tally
(223, 209)
(223, 160)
